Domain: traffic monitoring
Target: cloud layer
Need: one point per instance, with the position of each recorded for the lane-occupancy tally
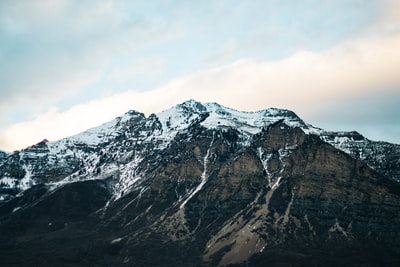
(312, 84)
(66, 66)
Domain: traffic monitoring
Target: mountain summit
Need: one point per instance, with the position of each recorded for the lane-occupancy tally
(201, 184)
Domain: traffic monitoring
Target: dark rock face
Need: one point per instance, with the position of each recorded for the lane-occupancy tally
(210, 196)
(52, 228)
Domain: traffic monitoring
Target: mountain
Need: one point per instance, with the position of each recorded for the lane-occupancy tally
(202, 185)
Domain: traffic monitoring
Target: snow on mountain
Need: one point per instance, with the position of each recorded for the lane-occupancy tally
(213, 116)
(117, 148)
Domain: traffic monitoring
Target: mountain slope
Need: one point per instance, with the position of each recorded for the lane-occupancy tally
(202, 185)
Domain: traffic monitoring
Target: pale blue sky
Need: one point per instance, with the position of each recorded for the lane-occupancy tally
(55, 55)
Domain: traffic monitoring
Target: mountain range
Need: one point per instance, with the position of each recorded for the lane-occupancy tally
(201, 184)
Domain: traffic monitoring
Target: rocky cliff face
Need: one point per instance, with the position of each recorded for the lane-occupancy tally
(202, 185)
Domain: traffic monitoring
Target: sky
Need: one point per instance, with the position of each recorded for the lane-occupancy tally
(66, 66)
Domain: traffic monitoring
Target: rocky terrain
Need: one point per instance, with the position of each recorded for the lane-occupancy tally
(202, 185)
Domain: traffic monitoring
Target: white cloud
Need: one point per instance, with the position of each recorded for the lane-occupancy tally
(306, 83)
(54, 125)
(299, 81)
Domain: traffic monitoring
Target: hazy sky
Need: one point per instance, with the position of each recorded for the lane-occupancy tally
(66, 66)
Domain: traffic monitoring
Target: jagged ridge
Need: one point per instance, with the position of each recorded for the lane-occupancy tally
(80, 157)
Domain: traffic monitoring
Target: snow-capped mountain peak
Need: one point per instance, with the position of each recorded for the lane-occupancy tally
(116, 148)
(205, 185)
(214, 115)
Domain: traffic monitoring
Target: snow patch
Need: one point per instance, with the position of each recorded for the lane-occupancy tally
(338, 228)
(15, 209)
(204, 176)
(128, 177)
(246, 122)
(117, 240)
(27, 181)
